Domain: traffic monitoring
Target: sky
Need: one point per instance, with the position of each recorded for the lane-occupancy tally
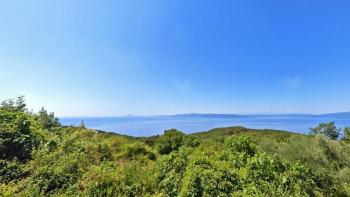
(113, 58)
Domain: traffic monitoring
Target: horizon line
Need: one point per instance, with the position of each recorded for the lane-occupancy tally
(224, 114)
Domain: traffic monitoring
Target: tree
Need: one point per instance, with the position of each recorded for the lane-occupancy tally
(16, 138)
(82, 124)
(21, 103)
(327, 129)
(14, 105)
(347, 134)
(47, 120)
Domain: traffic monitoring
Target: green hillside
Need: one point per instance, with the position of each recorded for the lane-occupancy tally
(39, 157)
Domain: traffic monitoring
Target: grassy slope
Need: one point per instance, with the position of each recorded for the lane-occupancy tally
(38, 157)
(88, 150)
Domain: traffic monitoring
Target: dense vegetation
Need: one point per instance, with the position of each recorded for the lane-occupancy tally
(39, 157)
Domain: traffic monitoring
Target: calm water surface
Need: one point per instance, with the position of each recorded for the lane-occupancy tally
(147, 126)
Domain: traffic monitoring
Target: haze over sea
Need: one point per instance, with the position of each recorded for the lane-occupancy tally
(153, 125)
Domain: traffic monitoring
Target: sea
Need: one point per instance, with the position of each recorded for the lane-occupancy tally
(155, 125)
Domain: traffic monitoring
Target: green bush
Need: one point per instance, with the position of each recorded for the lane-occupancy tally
(136, 150)
(170, 170)
(55, 175)
(16, 138)
(9, 170)
(210, 177)
(105, 152)
(191, 141)
(242, 169)
(99, 181)
(170, 141)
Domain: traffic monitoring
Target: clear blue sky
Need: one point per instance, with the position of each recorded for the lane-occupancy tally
(102, 58)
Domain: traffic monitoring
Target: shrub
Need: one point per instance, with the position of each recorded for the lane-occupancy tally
(16, 139)
(136, 150)
(241, 169)
(9, 170)
(105, 152)
(170, 141)
(170, 170)
(55, 175)
(99, 181)
(191, 141)
(208, 177)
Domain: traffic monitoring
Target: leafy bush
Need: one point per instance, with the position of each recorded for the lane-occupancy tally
(136, 179)
(131, 179)
(99, 181)
(210, 177)
(170, 170)
(55, 175)
(136, 150)
(9, 170)
(16, 139)
(170, 141)
(191, 141)
(105, 152)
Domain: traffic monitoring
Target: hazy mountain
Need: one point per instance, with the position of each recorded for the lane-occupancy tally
(336, 115)
(208, 115)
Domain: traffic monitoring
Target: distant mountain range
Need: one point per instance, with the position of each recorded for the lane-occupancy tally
(336, 115)
(199, 115)
(341, 115)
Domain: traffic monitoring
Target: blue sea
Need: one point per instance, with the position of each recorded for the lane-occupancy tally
(154, 125)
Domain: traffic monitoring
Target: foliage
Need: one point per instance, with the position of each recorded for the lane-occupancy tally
(99, 181)
(170, 141)
(82, 124)
(170, 171)
(12, 105)
(138, 150)
(347, 134)
(16, 138)
(46, 120)
(240, 169)
(39, 157)
(327, 129)
(9, 170)
(191, 141)
(53, 176)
